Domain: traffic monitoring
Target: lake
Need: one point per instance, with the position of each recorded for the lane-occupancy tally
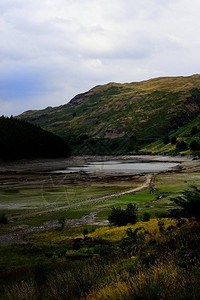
(119, 167)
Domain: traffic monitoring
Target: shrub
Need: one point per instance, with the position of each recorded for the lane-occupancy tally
(194, 146)
(62, 223)
(85, 232)
(122, 217)
(181, 146)
(103, 249)
(173, 140)
(3, 219)
(146, 217)
(165, 140)
(40, 273)
(189, 204)
(134, 241)
(194, 130)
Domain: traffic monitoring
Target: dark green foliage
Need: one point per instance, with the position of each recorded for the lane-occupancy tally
(3, 219)
(40, 273)
(194, 130)
(20, 139)
(121, 217)
(173, 140)
(103, 249)
(77, 244)
(194, 146)
(79, 255)
(134, 240)
(146, 217)
(189, 204)
(85, 145)
(161, 215)
(85, 232)
(181, 146)
(165, 140)
(61, 221)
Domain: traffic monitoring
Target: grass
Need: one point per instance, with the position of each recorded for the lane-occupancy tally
(32, 206)
(159, 268)
(118, 278)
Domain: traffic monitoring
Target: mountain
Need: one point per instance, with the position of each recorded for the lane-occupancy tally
(20, 139)
(146, 109)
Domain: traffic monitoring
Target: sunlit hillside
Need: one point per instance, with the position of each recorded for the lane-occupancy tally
(144, 109)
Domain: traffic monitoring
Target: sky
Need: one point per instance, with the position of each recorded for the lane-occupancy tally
(52, 50)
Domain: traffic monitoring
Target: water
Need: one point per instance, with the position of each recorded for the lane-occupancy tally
(120, 167)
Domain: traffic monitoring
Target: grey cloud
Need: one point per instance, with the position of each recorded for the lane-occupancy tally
(52, 50)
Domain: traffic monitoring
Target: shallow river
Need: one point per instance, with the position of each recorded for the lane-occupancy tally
(120, 167)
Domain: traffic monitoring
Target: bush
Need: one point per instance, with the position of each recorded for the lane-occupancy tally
(61, 221)
(194, 130)
(146, 217)
(40, 273)
(85, 232)
(194, 146)
(134, 241)
(165, 140)
(103, 249)
(181, 146)
(173, 140)
(3, 219)
(121, 217)
(189, 204)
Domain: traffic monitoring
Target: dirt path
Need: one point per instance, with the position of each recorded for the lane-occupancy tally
(18, 237)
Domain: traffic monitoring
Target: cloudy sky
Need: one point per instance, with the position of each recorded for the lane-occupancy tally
(51, 50)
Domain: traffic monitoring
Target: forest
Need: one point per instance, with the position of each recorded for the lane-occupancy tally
(20, 139)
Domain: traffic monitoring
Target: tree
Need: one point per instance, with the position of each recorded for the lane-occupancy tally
(3, 219)
(146, 217)
(194, 146)
(62, 223)
(189, 204)
(85, 232)
(131, 244)
(194, 130)
(173, 140)
(165, 140)
(181, 146)
(121, 217)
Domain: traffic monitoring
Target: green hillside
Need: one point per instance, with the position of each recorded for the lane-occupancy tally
(20, 139)
(145, 109)
(110, 113)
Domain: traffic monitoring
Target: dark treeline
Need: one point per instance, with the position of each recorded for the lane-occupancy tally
(20, 139)
(85, 145)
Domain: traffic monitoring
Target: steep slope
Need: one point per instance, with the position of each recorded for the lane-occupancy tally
(20, 139)
(145, 109)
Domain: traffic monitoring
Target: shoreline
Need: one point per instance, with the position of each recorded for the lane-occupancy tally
(47, 165)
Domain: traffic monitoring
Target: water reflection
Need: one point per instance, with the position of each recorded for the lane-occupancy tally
(120, 167)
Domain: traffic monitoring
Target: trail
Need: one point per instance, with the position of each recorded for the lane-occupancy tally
(18, 237)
